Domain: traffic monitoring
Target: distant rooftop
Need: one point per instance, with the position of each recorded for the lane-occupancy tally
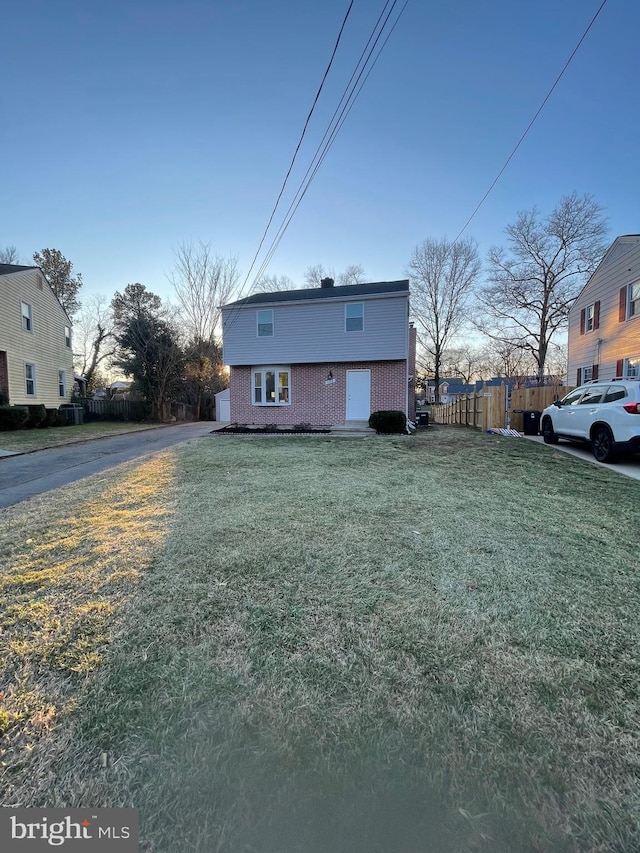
(7, 269)
(347, 290)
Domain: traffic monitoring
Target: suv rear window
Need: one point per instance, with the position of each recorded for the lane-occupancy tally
(615, 392)
(593, 395)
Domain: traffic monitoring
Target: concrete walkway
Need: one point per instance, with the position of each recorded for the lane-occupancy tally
(629, 465)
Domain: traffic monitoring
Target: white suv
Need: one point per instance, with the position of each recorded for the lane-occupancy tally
(606, 414)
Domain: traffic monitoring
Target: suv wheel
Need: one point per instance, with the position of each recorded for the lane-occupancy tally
(548, 434)
(603, 445)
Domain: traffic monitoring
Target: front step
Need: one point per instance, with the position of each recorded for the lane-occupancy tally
(348, 427)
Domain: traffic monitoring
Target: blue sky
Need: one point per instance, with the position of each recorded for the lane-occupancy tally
(129, 127)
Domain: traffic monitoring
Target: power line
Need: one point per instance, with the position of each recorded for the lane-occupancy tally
(531, 123)
(335, 124)
(332, 130)
(302, 135)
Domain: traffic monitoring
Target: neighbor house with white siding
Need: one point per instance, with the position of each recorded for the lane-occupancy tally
(36, 359)
(321, 356)
(604, 321)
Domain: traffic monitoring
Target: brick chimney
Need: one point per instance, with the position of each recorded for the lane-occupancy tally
(326, 282)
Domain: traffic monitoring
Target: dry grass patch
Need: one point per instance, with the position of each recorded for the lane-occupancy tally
(70, 560)
(415, 644)
(26, 440)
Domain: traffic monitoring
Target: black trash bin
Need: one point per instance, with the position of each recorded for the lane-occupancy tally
(422, 419)
(531, 419)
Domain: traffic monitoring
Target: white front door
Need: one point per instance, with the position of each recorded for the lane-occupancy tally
(358, 395)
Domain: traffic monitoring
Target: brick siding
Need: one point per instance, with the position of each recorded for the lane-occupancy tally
(313, 401)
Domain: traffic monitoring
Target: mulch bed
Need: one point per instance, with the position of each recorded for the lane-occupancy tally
(246, 430)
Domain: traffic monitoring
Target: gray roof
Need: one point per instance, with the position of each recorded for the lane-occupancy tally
(346, 290)
(7, 269)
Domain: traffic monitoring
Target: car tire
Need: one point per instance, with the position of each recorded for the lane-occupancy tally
(548, 435)
(603, 445)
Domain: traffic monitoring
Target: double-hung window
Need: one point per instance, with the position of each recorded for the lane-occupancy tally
(354, 317)
(67, 336)
(62, 383)
(587, 374)
(30, 380)
(632, 368)
(264, 321)
(27, 317)
(634, 300)
(588, 319)
(271, 386)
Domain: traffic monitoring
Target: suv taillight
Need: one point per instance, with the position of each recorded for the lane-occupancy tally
(632, 408)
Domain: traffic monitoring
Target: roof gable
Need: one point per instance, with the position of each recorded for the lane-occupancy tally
(621, 246)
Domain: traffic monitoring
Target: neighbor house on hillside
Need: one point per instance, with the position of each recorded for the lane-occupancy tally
(604, 321)
(36, 359)
(321, 356)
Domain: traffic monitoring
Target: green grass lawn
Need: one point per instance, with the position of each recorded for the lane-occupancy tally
(299, 645)
(25, 440)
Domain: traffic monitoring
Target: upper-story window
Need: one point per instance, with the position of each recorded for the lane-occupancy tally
(264, 321)
(634, 299)
(590, 318)
(67, 336)
(27, 317)
(354, 317)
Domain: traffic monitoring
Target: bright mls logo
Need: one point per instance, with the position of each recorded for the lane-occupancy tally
(80, 830)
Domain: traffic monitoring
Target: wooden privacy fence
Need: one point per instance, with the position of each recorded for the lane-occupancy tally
(536, 399)
(493, 407)
(483, 410)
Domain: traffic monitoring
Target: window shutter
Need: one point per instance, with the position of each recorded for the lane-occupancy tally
(594, 371)
(596, 315)
(622, 314)
(620, 367)
(579, 377)
(583, 315)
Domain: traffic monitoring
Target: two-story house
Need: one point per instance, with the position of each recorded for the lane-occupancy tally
(36, 360)
(604, 321)
(320, 356)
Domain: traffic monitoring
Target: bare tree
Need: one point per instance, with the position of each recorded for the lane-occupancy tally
(442, 275)
(58, 271)
(9, 255)
(93, 338)
(532, 285)
(504, 358)
(202, 282)
(313, 275)
(273, 283)
(354, 274)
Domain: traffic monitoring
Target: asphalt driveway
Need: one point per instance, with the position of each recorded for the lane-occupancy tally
(628, 465)
(26, 475)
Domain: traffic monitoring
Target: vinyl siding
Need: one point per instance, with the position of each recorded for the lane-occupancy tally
(43, 347)
(308, 332)
(612, 340)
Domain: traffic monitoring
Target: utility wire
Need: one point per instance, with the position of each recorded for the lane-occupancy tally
(341, 119)
(531, 123)
(302, 135)
(336, 123)
(332, 129)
